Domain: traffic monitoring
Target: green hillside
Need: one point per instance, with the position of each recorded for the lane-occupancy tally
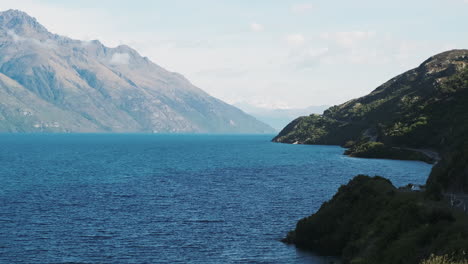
(419, 115)
(423, 109)
(370, 221)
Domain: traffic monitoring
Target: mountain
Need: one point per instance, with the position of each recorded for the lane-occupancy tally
(420, 114)
(422, 111)
(278, 117)
(51, 83)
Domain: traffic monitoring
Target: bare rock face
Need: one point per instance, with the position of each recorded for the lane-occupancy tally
(52, 83)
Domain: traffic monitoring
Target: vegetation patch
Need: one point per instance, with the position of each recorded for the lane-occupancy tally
(424, 108)
(444, 260)
(371, 221)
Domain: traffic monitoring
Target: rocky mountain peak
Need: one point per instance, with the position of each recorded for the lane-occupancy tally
(51, 83)
(19, 23)
(125, 48)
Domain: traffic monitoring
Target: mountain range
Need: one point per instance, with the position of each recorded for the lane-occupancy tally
(51, 83)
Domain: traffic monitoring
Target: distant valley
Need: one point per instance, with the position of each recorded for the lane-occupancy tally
(278, 118)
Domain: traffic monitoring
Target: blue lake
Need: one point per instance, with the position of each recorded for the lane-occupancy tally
(167, 198)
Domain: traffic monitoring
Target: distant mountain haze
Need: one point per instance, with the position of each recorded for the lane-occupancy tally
(51, 83)
(278, 118)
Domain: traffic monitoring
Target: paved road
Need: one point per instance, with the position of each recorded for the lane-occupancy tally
(428, 152)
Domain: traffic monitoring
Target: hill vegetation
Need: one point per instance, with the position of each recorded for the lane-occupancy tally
(369, 220)
(423, 109)
(443, 260)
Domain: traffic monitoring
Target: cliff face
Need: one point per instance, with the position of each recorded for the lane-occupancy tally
(55, 84)
(424, 108)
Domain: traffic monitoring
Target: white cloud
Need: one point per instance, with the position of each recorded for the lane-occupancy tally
(48, 43)
(15, 37)
(295, 39)
(364, 48)
(224, 72)
(312, 57)
(257, 27)
(302, 8)
(228, 67)
(70, 22)
(260, 102)
(349, 39)
(307, 57)
(120, 59)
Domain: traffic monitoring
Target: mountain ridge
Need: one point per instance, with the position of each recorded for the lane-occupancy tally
(103, 89)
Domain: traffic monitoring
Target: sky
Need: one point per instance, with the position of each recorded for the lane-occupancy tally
(268, 53)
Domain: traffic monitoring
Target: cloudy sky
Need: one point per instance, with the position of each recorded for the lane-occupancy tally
(273, 53)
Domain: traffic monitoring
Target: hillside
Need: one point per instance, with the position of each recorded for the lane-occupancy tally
(422, 110)
(51, 83)
(370, 221)
(419, 115)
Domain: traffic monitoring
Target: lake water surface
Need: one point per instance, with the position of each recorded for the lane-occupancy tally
(167, 198)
